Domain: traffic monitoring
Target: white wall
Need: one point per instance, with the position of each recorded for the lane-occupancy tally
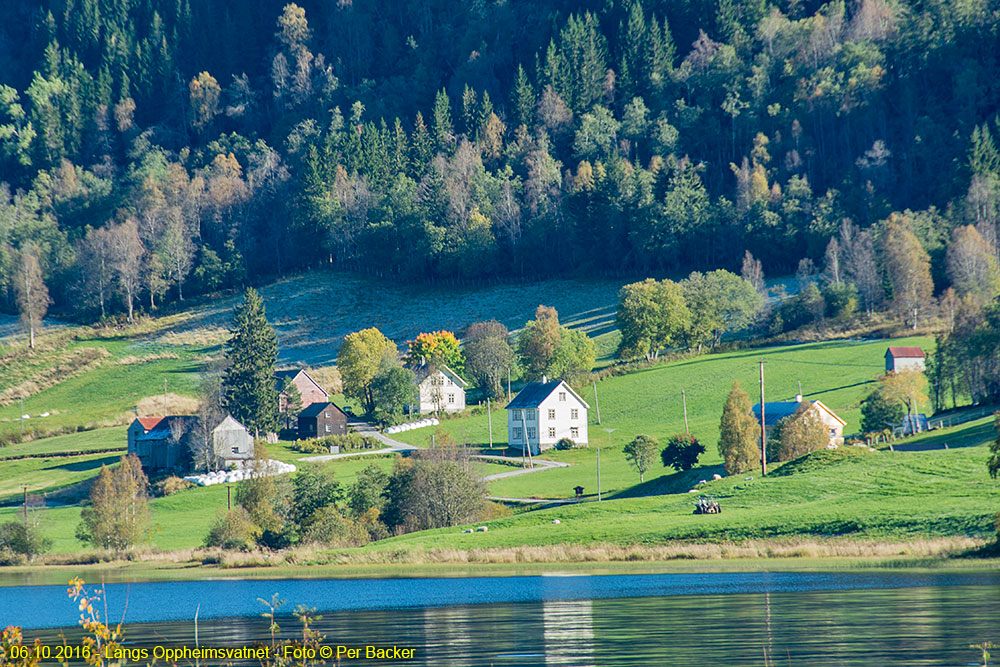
(561, 423)
(439, 392)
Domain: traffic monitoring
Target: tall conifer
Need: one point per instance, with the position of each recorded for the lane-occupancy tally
(251, 351)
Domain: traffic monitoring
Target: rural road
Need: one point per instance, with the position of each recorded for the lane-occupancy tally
(393, 446)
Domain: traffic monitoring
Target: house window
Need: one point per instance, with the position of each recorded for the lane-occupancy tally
(562, 395)
(451, 398)
(236, 450)
(833, 433)
(532, 414)
(574, 414)
(327, 428)
(326, 414)
(552, 433)
(574, 432)
(531, 433)
(517, 434)
(552, 413)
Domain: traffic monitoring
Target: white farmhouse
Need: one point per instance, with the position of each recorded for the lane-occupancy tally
(545, 412)
(441, 390)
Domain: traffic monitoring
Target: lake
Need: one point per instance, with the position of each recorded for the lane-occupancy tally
(797, 618)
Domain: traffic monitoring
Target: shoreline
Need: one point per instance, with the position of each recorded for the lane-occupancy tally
(753, 556)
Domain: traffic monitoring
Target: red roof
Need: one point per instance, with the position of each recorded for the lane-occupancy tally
(149, 423)
(906, 352)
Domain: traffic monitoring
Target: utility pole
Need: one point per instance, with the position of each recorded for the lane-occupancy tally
(164, 397)
(22, 415)
(597, 404)
(24, 487)
(684, 401)
(229, 497)
(508, 385)
(763, 431)
(609, 431)
(489, 416)
(527, 442)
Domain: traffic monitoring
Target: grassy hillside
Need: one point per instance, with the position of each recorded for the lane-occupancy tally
(313, 312)
(839, 373)
(845, 492)
(82, 377)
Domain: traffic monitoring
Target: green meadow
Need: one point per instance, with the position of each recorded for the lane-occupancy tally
(838, 373)
(850, 492)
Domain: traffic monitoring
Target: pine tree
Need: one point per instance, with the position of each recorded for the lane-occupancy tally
(251, 351)
(524, 99)
(739, 433)
(444, 135)
(423, 146)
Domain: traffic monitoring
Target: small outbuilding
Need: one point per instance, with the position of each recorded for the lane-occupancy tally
(901, 358)
(320, 420)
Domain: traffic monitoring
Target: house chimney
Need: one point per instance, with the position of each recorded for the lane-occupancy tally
(798, 398)
(544, 379)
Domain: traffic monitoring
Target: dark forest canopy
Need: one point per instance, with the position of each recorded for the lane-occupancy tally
(156, 148)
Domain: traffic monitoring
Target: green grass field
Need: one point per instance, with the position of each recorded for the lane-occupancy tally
(880, 495)
(839, 373)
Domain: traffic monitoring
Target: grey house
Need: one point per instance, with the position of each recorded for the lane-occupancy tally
(167, 444)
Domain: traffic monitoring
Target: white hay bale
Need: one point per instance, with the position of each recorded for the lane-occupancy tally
(716, 476)
(482, 529)
(556, 521)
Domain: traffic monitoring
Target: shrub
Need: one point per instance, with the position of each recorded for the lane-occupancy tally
(348, 442)
(798, 434)
(565, 443)
(233, 530)
(23, 539)
(640, 453)
(333, 529)
(878, 413)
(682, 452)
(172, 485)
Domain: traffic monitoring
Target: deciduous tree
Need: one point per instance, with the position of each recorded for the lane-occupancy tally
(359, 360)
(641, 452)
(909, 268)
(118, 515)
(797, 434)
(739, 433)
(682, 452)
(32, 294)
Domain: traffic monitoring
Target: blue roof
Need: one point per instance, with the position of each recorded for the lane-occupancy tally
(776, 411)
(533, 394)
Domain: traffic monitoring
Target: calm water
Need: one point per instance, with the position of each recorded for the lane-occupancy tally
(810, 619)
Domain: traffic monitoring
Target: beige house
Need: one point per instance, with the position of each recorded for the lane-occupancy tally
(543, 413)
(776, 411)
(440, 389)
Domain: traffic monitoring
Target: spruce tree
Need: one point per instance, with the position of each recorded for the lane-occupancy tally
(251, 351)
(524, 99)
(739, 433)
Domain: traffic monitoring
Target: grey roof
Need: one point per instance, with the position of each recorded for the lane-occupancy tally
(532, 395)
(162, 430)
(313, 409)
(775, 412)
(422, 371)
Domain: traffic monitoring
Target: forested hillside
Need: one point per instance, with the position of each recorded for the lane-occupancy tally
(152, 149)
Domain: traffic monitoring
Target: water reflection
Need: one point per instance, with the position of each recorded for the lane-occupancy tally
(929, 626)
(569, 632)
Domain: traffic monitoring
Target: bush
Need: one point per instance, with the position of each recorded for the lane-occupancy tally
(23, 539)
(332, 529)
(233, 530)
(682, 452)
(878, 413)
(565, 443)
(171, 485)
(797, 434)
(348, 442)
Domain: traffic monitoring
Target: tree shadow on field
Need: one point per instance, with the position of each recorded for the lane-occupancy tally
(671, 483)
(80, 466)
